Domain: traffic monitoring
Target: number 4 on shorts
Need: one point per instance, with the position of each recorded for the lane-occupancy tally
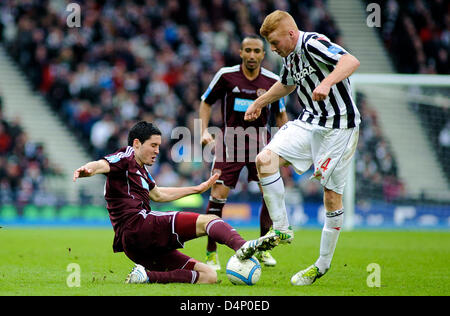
(324, 165)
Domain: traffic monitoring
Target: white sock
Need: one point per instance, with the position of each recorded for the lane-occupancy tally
(273, 192)
(328, 241)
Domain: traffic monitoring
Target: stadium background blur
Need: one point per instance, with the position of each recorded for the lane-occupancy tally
(152, 60)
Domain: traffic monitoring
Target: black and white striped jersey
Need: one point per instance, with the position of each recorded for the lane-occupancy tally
(314, 57)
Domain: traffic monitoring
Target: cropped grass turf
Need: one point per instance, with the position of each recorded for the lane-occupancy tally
(33, 261)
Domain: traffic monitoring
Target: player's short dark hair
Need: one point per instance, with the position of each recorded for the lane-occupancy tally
(142, 131)
(252, 36)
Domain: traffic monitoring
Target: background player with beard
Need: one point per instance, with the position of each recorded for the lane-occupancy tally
(237, 87)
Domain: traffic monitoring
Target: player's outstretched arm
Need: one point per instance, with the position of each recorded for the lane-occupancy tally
(168, 194)
(91, 168)
(276, 92)
(205, 115)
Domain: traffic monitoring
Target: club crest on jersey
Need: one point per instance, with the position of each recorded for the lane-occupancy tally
(306, 71)
(260, 92)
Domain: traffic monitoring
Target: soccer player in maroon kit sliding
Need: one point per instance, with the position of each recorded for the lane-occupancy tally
(150, 238)
(237, 87)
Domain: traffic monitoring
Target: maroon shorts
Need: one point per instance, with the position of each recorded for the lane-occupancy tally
(151, 239)
(230, 171)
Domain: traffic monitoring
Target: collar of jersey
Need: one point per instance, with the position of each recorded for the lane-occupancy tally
(299, 46)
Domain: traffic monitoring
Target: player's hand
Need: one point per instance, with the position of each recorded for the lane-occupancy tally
(252, 113)
(206, 138)
(82, 172)
(208, 183)
(321, 92)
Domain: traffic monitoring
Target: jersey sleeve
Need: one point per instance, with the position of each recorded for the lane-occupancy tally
(118, 161)
(324, 50)
(216, 89)
(152, 181)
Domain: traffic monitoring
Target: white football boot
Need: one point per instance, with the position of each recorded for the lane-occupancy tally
(307, 276)
(138, 275)
(266, 242)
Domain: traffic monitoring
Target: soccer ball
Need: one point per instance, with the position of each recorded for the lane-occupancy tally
(243, 271)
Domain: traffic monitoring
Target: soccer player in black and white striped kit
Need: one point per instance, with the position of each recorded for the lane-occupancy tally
(325, 134)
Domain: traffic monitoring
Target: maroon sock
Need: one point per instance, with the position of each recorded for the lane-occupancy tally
(223, 233)
(215, 207)
(174, 276)
(265, 222)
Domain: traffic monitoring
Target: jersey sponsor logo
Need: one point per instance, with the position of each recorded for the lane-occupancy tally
(334, 49)
(307, 71)
(241, 105)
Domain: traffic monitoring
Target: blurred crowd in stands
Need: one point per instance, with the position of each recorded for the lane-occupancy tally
(152, 60)
(24, 166)
(376, 167)
(417, 33)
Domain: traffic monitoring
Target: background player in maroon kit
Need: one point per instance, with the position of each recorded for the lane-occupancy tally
(150, 238)
(237, 87)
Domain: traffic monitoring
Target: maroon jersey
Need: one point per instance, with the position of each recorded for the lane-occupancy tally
(241, 138)
(126, 190)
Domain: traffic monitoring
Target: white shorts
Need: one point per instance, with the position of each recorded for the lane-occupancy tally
(330, 150)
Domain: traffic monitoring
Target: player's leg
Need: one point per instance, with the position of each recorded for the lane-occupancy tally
(334, 152)
(333, 183)
(268, 164)
(290, 145)
(334, 219)
(265, 224)
(217, 200)
(171, 267)
(229, 176)
(223, 233)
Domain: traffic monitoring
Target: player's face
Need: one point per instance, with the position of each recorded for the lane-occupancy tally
(146, 153)
(281, 41)
(252, 53)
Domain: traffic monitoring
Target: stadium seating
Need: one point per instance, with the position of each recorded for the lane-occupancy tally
(151, 60)
(417, 34)
(159, 63)
(23, 167)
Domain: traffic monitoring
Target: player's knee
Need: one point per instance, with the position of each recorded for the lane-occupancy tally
(332, 200)
(202, 222)
(267, 162)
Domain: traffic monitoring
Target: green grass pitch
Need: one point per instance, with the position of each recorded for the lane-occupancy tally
(34, 261)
